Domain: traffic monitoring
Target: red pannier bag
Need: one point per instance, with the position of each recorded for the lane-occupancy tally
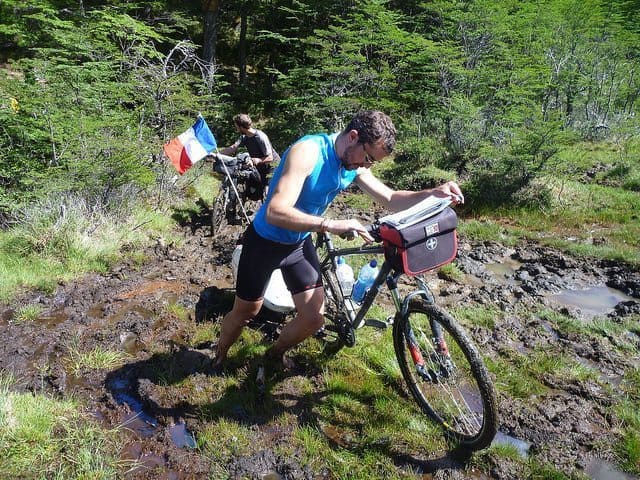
(419, 246)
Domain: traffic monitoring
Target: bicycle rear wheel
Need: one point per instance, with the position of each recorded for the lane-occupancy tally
(219, 212)
(448, 380)
(337, 331)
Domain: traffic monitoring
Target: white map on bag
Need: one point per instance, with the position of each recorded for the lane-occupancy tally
(426, 208)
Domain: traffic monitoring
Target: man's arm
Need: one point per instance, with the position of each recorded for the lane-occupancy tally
(396, 200)
(231, 149)
(265, 146)
(281, 210)
(257, 161)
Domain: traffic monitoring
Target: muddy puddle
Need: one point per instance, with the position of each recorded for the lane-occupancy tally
(137, 310)
(592, 301)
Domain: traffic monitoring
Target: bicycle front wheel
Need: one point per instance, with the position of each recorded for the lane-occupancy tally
(445, 374)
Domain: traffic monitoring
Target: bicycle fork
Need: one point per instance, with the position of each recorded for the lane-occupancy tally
(439, 364)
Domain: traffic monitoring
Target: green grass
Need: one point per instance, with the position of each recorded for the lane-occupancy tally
(451, 272)
(41, 437)
(628, 411)
(48, 247)
(512, 376)
(585, 220)
(484, 316)
(96, 359)
(27, 313)
(177, 310)
(224, 439)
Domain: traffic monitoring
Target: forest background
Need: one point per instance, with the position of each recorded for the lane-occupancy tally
(531, 105)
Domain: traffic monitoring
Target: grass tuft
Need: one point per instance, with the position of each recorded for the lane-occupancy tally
(27, 313)
(51, 439)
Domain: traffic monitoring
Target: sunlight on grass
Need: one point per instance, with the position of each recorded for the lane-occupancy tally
(477, 315)
(205, 332)
(451, 272)
(483, 230)
(200, 183)
(512, 377)
(28, 313)
(628, 411)
(629, 445)
(177, 310)
(224, 439)
(53, 243)
(45, 438)
(96, 359)
(595, 327)
(590, 220)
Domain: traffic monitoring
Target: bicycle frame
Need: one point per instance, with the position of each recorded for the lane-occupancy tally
(386, 274)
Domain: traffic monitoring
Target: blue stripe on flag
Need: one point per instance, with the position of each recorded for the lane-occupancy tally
(204, 135)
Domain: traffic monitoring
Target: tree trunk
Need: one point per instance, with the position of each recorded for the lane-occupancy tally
(210, 8)
(242, 45)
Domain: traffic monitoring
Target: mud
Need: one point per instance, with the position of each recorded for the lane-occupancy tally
(569, 426)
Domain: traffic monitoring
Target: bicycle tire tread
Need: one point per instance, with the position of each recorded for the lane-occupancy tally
(485, 385)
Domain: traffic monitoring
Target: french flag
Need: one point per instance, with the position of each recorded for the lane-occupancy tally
(190, 146)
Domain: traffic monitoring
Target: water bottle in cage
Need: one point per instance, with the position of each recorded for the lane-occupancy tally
(366, 277)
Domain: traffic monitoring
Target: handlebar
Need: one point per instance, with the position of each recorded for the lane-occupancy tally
(423, 209)
(373, 229)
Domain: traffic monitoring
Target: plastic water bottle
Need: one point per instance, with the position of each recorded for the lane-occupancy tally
(366, 277)
(345, 276)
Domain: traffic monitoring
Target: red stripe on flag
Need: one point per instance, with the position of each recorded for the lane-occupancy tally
(178, 155)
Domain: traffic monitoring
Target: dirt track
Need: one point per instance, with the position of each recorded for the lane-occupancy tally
(568, 426)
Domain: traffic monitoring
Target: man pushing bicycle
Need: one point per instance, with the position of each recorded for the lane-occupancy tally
(312, 172)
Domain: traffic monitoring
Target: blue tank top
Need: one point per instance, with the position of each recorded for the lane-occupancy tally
(327, 179)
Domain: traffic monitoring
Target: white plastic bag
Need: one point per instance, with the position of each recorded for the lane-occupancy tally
(277, 296)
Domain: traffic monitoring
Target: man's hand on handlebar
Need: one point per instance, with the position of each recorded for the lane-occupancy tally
(349, 229)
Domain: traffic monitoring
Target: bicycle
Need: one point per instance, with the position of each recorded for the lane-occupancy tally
(240, 193)
(438, 361)
(440, 364)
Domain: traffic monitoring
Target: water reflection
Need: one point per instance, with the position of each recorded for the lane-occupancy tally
(601, 470)
(592, 301)
(505, 271)
(521, 446)
(181, 437)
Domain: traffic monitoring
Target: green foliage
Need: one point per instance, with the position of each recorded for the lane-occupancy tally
(38, 433)
(90, 104)
(28, 313)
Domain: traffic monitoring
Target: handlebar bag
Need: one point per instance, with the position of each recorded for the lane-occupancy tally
(423, 245)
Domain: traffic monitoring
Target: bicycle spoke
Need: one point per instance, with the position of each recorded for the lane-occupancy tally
(453, 390)
(446, 375)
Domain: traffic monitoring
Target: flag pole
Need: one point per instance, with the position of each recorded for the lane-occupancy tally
(233, 186)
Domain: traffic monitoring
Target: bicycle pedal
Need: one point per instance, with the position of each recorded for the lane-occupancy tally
(375, 323)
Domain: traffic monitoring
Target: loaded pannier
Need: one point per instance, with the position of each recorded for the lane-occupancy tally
(232, 164)
(420, 239)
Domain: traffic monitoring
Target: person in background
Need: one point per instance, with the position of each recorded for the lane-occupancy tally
(312, 172)
(257, 144)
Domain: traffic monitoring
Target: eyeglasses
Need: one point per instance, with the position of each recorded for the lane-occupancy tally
(368, 158)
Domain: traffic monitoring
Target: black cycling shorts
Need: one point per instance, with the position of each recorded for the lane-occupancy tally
(260, 257)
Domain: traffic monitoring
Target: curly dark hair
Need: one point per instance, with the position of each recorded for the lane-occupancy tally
(372, 126)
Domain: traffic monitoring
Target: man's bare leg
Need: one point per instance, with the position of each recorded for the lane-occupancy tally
(309, 319)
(232, 325)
